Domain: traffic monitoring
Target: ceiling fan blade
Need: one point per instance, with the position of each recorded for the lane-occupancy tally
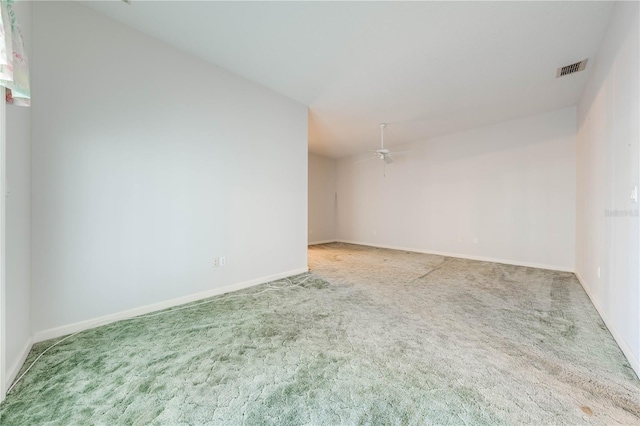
(388, 159)
(366, 159)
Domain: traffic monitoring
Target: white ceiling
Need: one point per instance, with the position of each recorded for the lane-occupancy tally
(426, 68)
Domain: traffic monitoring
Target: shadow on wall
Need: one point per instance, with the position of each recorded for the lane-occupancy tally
(506, 136)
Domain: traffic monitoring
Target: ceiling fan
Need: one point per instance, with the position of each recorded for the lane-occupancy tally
(383, 153)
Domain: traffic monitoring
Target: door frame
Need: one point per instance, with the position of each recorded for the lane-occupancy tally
(3, 194)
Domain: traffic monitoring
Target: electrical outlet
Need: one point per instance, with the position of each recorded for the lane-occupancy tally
(223, 261)
(598, 272)
(216, 262)
(475, 240)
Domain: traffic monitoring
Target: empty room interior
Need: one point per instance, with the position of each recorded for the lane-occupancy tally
(319, 213)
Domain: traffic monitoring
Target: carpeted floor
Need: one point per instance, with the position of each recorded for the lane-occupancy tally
(372, 336)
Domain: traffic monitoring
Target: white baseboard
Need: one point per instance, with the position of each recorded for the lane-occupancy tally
(64, 330)
(13, 371)
(313, 243)
(626, 350)
(466, 256)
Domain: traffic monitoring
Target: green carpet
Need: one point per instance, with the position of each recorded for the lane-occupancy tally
(390, 338)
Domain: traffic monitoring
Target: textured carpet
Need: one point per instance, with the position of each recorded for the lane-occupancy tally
(384, 337)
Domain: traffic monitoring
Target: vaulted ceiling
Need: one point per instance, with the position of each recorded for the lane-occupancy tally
(426, 68)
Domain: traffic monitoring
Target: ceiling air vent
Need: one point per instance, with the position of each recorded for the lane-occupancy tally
(570, 69)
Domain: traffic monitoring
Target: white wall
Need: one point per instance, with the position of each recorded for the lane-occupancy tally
(607, 166)
(147, 163)
(18, 221)
(510, 185)
(322, 199)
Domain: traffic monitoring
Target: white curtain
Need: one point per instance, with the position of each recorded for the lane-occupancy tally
(14, 68)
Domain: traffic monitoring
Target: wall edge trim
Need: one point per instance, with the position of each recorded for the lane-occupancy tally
(64, 330)
(12, 373)
(465, 256)
(622, 344)
(313, 243)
